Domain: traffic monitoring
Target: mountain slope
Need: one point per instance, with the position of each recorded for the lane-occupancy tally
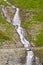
(8, 35)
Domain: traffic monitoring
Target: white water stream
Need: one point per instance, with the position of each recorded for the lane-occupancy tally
(19, 29)
(5, 13)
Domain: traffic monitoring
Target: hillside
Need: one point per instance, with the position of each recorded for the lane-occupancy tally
(8, 35)
(31, 14)
(33, 22)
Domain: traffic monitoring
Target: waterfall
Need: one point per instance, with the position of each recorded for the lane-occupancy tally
(5, 13)
(19, 29)
(16, 19)
(29, 58)
(17, 23)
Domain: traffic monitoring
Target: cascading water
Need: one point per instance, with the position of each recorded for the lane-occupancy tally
(29, 58)
(17, 23)
(19, 29)
(16, 19)
(5, 14)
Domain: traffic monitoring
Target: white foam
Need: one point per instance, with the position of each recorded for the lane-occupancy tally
(19, 29)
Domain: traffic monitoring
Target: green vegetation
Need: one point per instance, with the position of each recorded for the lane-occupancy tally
(39, 53)
(34, 21)
(4, 36)
(28, 4)
(4, 3)
(37, 18)
(36, 24)
(6, 31)
(39, 40)
(36, 27)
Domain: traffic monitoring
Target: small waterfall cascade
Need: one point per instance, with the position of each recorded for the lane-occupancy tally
(29, 58)
(19, 29)
(5, 14)
(17, 23)
(16, 19)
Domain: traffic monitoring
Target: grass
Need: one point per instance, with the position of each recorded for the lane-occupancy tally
(38, 17)
(6, 31)
(36, 27)
(39, 40)
(36, 24)
(6, 25)
(4, 3)
(4, 36)
(39, 54)
(29, 4)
